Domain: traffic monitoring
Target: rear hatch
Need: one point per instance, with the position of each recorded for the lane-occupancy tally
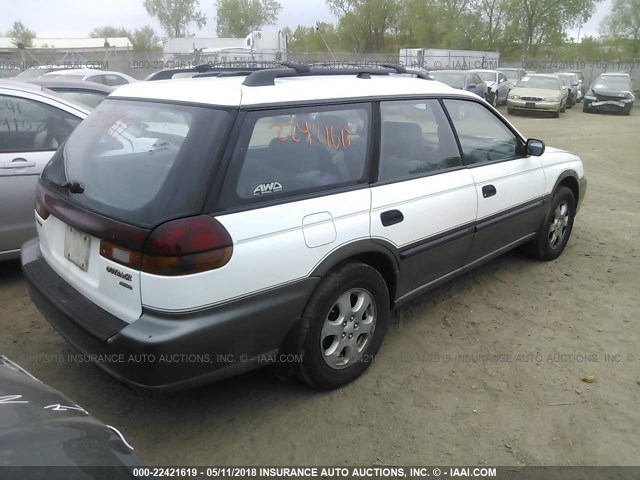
(128, 168)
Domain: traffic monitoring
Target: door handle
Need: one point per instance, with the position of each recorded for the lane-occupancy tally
(17, 163)
(488, 191)
(391, 217)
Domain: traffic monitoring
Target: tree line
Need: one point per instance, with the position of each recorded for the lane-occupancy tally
(515, 28)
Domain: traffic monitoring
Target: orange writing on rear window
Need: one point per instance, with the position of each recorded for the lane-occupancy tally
(329, 135)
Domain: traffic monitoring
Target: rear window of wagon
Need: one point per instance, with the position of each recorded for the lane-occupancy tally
(141, 162)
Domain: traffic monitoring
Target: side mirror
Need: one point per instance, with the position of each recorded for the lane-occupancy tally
(535, 147)
(564, 87)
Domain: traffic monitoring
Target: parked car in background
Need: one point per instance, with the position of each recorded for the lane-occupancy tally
(610, 92)
(40, 427)
(38, 71)
(513, 74)
(138, 218)
(538, 92)
(461, 79)
(574, 82)
(112, 79)
(572, 91)
(581, 80)
(86, 93)
(9, 72)
(497, 84)
(34, 122)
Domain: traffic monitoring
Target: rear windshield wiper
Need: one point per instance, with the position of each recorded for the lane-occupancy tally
(72, 187)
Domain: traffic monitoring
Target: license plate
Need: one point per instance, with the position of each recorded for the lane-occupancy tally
(531, 105)
(77, 246)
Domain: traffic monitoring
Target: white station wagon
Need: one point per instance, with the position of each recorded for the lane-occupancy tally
(193, 229)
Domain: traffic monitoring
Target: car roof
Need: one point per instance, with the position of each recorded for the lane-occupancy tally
(613, 74)
(547, 75)
(25, 87)
(17, 84)
(230, 91)
(78, 71)
(70, 84)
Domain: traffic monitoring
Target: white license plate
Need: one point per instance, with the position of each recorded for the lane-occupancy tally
(77, 246)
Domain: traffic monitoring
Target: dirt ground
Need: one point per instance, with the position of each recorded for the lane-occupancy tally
(540, 326)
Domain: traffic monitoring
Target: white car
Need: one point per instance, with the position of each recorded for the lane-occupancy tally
(497, 85)
(112, 79)
(194, 229)
(34, 122)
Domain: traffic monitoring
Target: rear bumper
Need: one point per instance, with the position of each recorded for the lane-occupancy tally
(168, 351)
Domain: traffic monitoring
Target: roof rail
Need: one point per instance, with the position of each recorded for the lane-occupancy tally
(198, 71)
(267, 76)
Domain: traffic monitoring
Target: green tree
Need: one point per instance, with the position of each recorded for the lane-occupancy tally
(366, 23)
(623, 24)
(21, 34)
(309, 40)
(110, 31)
(175, 16)
(238, 18)
(145, 39)
(538, 22)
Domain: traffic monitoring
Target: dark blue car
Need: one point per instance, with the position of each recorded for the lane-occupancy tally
(461, 79)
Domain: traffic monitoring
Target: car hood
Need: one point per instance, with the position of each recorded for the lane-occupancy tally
(535, 92)
(41, 427)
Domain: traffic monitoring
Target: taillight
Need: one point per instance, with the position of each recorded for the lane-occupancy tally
(179, 247)
(40, 202)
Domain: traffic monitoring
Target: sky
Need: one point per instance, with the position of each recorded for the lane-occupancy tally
(76, 18)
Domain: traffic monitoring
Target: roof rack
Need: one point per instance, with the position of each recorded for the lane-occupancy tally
(265, 77)
(199, 71)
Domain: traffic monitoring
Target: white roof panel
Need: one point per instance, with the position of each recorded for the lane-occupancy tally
(230, 91)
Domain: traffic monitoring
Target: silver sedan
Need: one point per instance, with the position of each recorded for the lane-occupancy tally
(34, 122)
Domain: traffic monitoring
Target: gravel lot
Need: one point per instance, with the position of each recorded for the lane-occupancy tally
(543, 325)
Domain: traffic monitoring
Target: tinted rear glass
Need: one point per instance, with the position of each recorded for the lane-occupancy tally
(141, 162)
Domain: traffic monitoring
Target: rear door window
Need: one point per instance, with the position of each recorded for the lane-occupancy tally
(27, 125)
(295, 151)
(416, 140)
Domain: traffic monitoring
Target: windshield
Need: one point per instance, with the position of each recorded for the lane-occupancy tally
(455, 80)
(547, 83)
(510, 73)
(487, 76)
(611, 82)
(135, 160)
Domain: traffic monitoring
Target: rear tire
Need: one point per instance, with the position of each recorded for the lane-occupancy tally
(555, 230)
(342, 326)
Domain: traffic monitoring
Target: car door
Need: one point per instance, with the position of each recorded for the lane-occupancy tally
(503, 87)
(296, 190)
(30, 132)
(509, 185)
(423, 205)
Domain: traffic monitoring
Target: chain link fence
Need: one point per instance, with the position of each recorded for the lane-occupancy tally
(141, 64)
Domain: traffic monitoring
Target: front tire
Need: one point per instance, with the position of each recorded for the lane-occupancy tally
(556, 227)
(342, 326)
